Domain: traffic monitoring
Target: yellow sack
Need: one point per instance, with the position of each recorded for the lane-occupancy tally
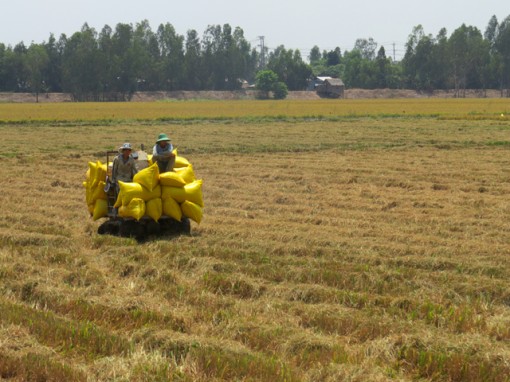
(147, 195)
(149, 159)
(192, 211)
(186, 173)
(92, 171)
(181, 161)
(171, 208)
(171, 179)
(100, 209)
(128, 191)
(131, 190)
(100, 172)
(154, 208)
(91, 208)
(191, 192)
(135, 209)
(98, 192)
(148, 177)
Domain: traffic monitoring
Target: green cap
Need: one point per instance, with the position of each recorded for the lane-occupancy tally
(162, 137)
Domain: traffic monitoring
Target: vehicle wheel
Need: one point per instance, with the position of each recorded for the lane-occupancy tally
(186, 226)
(109, 227)
(153, 228)
(128, 228)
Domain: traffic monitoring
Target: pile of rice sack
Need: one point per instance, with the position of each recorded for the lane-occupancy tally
(174, 194)
(94, 190)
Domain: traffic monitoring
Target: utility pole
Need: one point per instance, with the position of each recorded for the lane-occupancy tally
(393, 52)
(262, 52)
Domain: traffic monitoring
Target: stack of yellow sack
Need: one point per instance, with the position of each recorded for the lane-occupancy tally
(174, 194)
(94, 190)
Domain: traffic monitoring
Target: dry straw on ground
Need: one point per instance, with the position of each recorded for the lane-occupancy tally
(347, 248)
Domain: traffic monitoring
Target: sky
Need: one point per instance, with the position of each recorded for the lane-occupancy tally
(296, 24)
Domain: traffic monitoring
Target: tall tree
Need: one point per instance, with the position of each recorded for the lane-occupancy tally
(353, 65)
(147, 55)
(290, 68)
(172, 56)
(36, 62)
(468, 57)
(82, 65)
(366, 47)
(502, 45)
(382, 68)
(193, 77)
(53, 76)
(315, 55)
(18, 70)
(334, 57)
(126, 60)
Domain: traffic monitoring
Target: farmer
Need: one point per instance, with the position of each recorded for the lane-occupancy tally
(124, 166)
(162, 154)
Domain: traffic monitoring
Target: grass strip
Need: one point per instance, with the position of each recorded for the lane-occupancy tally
(37, 367)
(82, 337)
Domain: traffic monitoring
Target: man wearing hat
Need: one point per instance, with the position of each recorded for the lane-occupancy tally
(124, 165)
(162, 154)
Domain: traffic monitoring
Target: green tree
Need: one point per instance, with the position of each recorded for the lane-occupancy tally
(352, 72)
(126, 61)
(280, 90)
(171, 46)
(147, 55)
(426, 62)
(366, 47)
(53, 75)
(333, 57)
(502, 45)
(193, 62)
(382, 68)
(82, 66)
(18, 72)
(315, 55)
(290, 68)
(36, 62)
(265, 81)
(468, 58)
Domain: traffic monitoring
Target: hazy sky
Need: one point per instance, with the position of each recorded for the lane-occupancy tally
(297, 24)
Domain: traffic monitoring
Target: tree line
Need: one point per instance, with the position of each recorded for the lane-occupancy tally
(114, 63)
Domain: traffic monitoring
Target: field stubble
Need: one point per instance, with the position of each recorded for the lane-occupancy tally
(360, 249)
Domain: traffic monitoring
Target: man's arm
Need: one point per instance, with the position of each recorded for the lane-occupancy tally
(115, 168)
(134, 169)
(164, 156)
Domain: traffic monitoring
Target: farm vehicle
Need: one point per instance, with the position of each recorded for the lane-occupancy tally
(152, 205)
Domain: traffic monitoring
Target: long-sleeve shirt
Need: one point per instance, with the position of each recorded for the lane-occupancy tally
(123, 170)
(162, 156)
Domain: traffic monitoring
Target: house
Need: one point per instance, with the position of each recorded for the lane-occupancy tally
(329, 87)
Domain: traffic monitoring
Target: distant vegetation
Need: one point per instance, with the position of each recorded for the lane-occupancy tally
(114, 63)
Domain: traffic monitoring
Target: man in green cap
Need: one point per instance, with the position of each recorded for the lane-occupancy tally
(162, 154)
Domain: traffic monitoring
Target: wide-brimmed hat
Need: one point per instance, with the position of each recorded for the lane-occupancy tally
(125, 146)
(162, 137)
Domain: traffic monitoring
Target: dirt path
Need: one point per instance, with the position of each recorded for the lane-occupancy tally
(251, 94)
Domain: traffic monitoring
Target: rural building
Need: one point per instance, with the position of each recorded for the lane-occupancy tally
(329, 87)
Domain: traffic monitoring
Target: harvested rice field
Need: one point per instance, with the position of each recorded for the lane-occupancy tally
(341, 240)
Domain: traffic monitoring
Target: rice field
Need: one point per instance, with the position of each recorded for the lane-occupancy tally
(341, 241)
(488, 108)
